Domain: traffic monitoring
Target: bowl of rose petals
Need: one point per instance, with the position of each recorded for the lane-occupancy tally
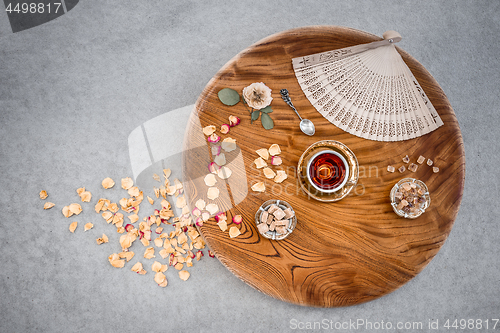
(410, 198)
(275, 219)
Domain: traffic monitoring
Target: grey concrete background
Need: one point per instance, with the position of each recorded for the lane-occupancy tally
(72, 90)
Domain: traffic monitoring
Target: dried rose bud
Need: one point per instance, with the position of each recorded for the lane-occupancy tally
(185, 229)
(237, 219)
(211, 254)
(129, 227)
(199, 222)
(221, 216)
(233, 121)
(214, 138)
(276, 160)
(224, 129)
(213, 167)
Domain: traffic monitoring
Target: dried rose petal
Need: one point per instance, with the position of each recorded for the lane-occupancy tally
(200, 204)
(115, 261)
(234, 232)
(276, 160)
(221, 216)
(133, 218)
(224, 173)
(205, 216)
(228, 144)
(158, 267)
(214, 138)
(75, 208)
(211, 254)
(213, 193)
(274, 149)
(209, 130)
(158, 242)
(184, 275)
(222, 225)
(88, 226)
(216, 150)
(126, 255)
(160, 278)
(196, 212)
(213, 167)
(212, 208)
(108, 183)
(224, 128)
(72, 226)
(199, 222)
(237, 219)
(259, 187)
(269, 173)
(210, 179)
(127, 183)
(280, 176)
(233, 121)
(102, 240)
(133, 191)
(138, 268)
(156, 177)
(151, 201)
(149, 253)
(43, 195)
(260, 163)
(48, 205)
(86, 196)
(263, 152)
(220, 159)
(181, 202)
(199, 254)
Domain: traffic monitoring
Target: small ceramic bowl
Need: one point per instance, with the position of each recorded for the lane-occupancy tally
(283, 205)
(419, 185)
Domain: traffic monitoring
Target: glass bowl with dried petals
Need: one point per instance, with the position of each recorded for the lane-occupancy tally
(410, 198)
(275, 219)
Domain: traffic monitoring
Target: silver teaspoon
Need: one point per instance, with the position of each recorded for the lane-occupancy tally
(306, 126)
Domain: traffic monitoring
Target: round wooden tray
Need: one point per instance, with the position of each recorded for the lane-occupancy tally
(342, 253)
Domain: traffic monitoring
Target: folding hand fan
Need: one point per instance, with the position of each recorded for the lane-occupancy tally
(367, 90)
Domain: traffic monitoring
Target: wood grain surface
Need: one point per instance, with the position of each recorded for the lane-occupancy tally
(341, 253)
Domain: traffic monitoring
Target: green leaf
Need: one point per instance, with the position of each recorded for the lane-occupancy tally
(255, 115)
(228, 96)
(267, 122)
(267, 109)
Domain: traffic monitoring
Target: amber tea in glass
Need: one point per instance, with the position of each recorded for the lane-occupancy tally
(327, 171)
